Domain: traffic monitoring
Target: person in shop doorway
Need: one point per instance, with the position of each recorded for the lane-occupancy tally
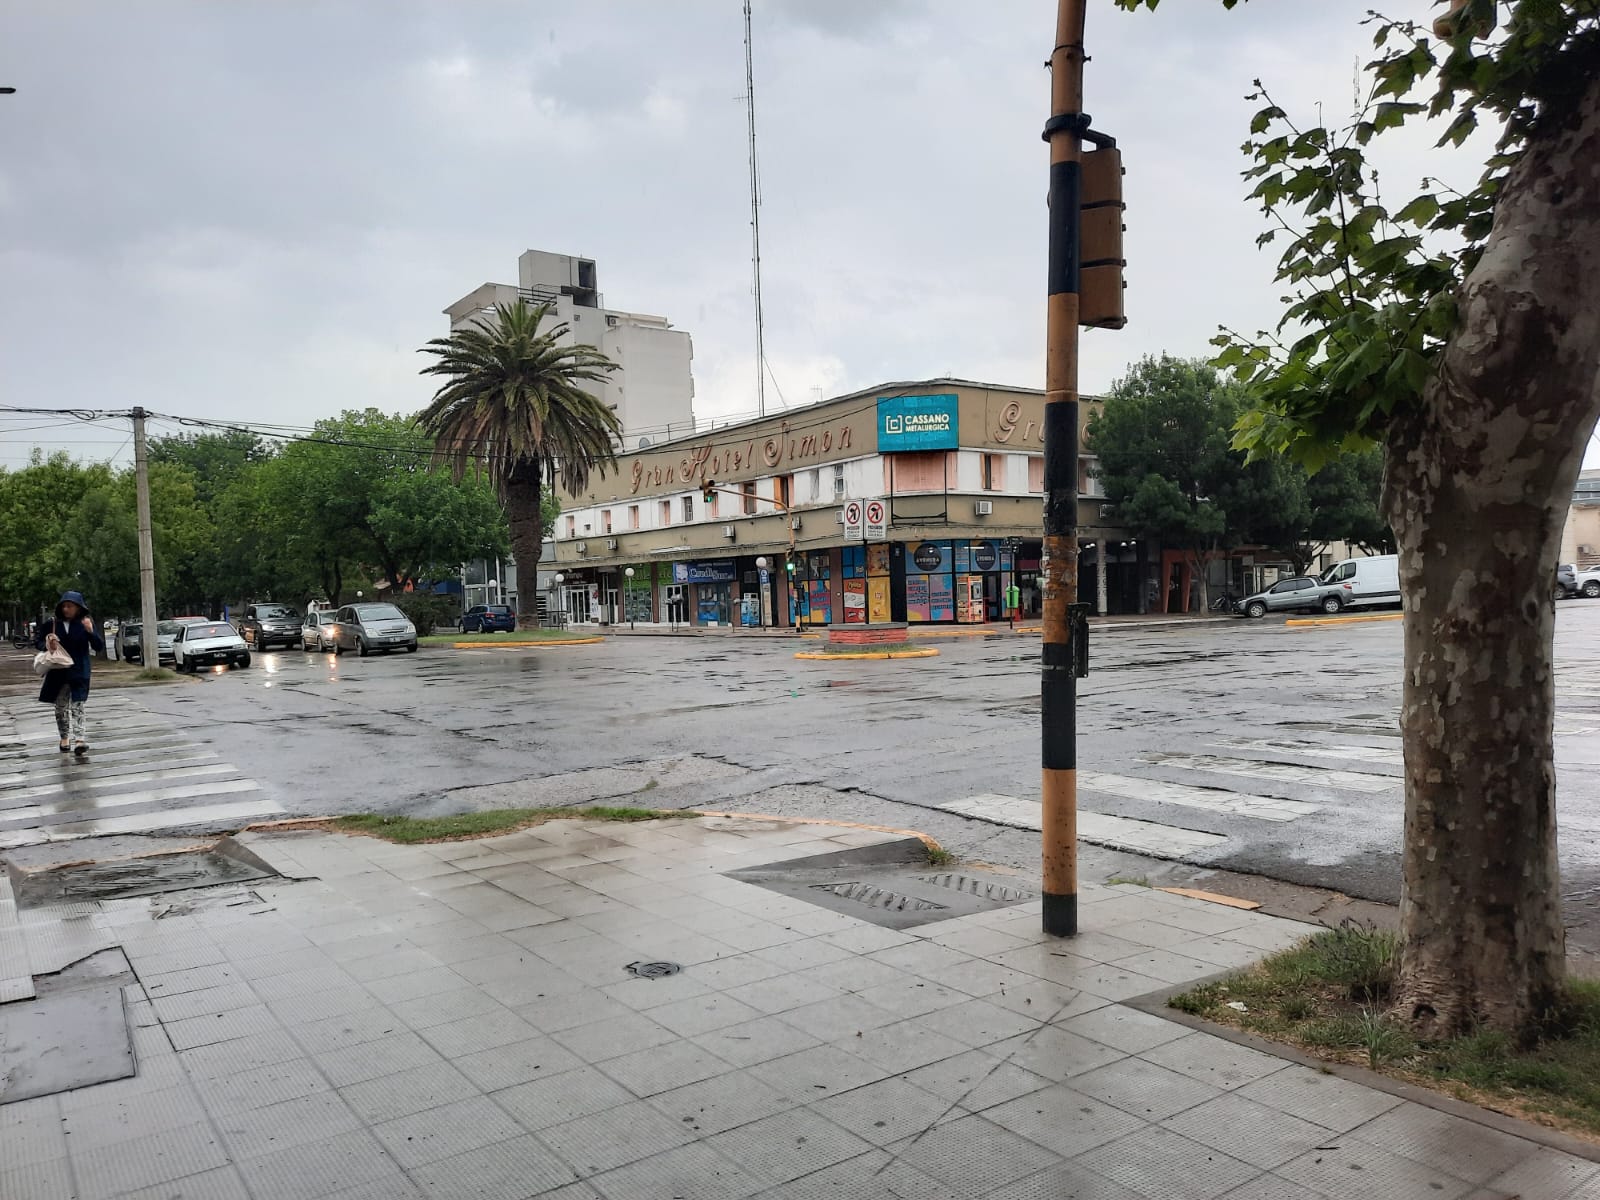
(71, 629)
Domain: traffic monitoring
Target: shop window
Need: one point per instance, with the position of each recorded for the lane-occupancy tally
(1036, 473)
(605, 520)
(688, 508)
(666, 513)
(748, 491)
(633, 516)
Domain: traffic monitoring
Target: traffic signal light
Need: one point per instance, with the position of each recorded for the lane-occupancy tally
(789, 566)
(708, 490)
(1100, 240)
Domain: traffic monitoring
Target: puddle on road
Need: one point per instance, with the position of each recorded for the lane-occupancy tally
(129, 877)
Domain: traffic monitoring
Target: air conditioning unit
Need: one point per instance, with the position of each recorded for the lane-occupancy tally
(1107, 511)
(582, 547)
(611, 543)
(727, 532)
(984, 508)
(794, 524)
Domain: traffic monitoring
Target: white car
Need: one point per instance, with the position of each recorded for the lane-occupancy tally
(1584, 583)
(212, 643)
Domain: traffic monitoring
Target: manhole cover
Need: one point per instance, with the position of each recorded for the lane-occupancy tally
(877, 897)
(653, 970)
(984, 889)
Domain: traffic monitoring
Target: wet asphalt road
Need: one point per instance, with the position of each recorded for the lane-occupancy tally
(1208, 728)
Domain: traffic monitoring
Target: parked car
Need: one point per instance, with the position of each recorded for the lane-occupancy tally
(267, 625)
(1585, 583)
(489, 618)
(1363, 582)
(1566, 580)
(366, 628)
(317, 630)
(1298, 593)
(204, 645)
(128, 639)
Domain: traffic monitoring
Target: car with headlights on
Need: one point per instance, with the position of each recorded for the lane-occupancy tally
(317, 630)
(210, 644)
(267, 625)
(371, 627)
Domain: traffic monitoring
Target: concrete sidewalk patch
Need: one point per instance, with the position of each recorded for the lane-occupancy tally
(482, 1018)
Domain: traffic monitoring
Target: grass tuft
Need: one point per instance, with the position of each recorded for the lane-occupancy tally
(409, 831)
(1328, 994)
(1135, 880)
(938, 856)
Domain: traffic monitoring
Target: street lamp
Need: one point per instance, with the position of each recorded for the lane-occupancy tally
(494, 591)
(627, 597)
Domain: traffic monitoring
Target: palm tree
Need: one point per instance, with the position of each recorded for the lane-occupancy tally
(513, 403)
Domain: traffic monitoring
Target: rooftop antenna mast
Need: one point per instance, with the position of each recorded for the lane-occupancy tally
(755, 214)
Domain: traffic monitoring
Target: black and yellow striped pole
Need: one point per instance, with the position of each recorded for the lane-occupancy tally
(1059, 568)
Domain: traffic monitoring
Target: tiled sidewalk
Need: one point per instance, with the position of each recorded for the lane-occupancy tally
(456, 1021)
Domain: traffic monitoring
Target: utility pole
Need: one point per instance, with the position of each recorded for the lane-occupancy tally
(148, 635)
(755, 213)
(1059, 569)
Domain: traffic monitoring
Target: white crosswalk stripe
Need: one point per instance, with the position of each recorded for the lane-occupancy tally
(1099, 829)
(1210, 799)
(1279, 772)
(1384, 755)
(141, 776)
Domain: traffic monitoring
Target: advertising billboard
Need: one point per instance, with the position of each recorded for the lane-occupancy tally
(918, 423)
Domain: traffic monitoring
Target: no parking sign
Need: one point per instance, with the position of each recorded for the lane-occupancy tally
(877, 526)
(852, 519)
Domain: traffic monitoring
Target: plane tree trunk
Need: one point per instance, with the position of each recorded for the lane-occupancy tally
(1477, 487)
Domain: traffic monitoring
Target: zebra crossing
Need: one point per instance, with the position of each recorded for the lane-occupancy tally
(1256, 779)
(141, 777)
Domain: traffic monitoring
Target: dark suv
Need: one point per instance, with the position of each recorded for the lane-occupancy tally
(489, 618)
(266, 625)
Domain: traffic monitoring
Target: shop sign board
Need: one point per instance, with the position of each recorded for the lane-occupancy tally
(918, 423)
(877, 521)
(852, 520)
(720, 571)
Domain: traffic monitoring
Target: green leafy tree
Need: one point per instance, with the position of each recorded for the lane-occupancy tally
(1166, 460)
(514, 405)
(39, 504)
(214, 460)
(1458, 330)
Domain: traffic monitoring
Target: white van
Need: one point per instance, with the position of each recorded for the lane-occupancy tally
(1365, 582)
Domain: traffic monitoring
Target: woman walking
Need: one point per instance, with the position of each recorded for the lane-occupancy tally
(68, 687)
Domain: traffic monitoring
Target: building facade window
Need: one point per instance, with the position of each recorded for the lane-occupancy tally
(838, 481)
(994, 472)
(748, 491)
(688, 508)
(605, 520)
(572, 527)
(633, 516)
(783, 490)
(1035, 473)
(666, 513)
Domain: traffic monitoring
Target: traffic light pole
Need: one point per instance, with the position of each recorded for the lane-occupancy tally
(1059, 569)
(148, 635)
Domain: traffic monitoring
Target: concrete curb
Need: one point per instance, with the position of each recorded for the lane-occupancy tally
(1155, 1004)
(524, 645)
(823, 656)
(1310, 622)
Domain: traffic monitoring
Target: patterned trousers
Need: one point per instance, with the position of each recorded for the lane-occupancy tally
(69, 718)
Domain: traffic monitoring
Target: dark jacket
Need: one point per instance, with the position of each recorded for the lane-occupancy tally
(77, 641)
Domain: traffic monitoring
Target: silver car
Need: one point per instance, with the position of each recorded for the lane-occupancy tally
(318, 630)
(368, 628)
(1295, 594)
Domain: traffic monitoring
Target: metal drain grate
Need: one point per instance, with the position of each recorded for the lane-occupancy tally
(877, 897)
(653, 970)
(983, 889)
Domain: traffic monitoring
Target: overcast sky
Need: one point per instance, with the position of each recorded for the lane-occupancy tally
(256, 210)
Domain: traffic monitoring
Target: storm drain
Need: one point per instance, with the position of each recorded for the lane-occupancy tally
(888, 884)
(653, 970)
(973, 885)
(877, 897)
